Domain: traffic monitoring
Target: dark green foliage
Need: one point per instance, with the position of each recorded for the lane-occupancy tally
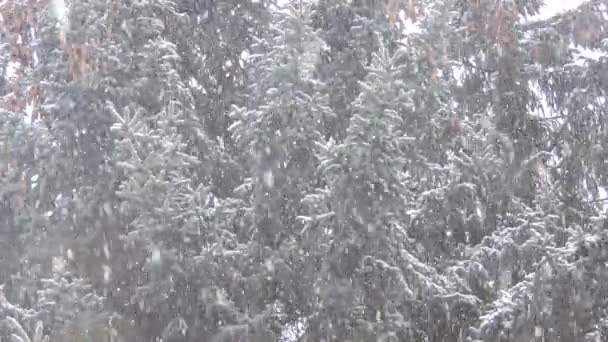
(271, 171)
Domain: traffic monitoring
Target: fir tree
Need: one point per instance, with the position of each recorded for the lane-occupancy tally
(352, 32)
(193, 170)
(279, 133)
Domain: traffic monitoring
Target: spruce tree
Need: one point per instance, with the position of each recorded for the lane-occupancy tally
(352, 32)
(213, 41)
(372, 277)
(278, 133)
(185, 170)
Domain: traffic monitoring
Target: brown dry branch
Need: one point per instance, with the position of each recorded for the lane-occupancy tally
(77, 60)
(18, 22)
(505, 18)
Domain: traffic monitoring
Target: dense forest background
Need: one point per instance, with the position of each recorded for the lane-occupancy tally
(330, 170)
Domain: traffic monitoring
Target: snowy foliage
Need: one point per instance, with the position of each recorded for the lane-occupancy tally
(328, 170)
